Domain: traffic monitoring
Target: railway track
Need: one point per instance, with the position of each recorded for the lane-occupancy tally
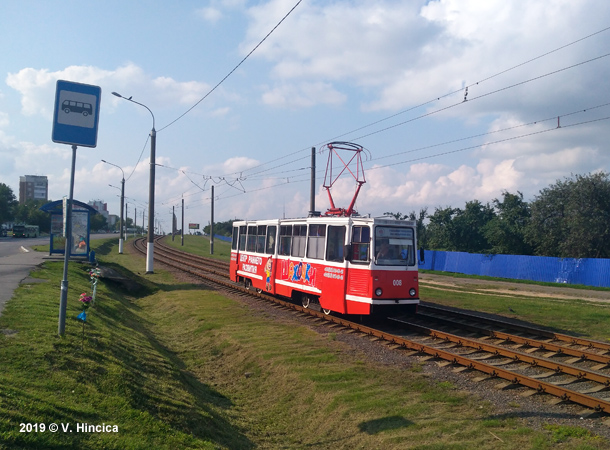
(568, 368)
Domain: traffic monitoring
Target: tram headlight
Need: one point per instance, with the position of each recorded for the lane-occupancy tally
(378, 292)
(412, 292)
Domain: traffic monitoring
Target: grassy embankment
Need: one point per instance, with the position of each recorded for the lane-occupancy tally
(174, 365)
(570, 315)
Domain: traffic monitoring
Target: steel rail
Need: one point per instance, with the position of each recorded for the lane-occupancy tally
(513, 355)
(534, 343)
(548, 334)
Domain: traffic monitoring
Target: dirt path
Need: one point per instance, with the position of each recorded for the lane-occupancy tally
(448, 282)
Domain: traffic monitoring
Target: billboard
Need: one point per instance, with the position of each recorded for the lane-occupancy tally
(193, 226)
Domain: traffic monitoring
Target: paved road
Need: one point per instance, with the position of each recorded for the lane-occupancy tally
(17, 260)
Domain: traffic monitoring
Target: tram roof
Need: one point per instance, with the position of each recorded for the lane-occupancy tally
(327, 219)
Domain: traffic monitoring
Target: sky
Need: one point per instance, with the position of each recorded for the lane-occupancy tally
(451, 100)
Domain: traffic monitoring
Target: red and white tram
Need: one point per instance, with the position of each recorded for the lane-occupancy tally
(349, 265)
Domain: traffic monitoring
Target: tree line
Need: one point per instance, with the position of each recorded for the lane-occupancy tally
(568, 219)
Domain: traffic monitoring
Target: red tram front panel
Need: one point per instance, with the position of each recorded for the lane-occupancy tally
(368, 289)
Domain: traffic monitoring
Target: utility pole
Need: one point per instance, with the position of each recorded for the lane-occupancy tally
(182, 231)
(212, 225)
(312, 191)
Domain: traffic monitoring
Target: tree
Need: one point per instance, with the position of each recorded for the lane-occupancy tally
(506, 231)
(469, 227)
(221, 228)
(8, 203)
(419, 221)
(454, 229)
(30, 214)
(397, 216)
(571, 219)
(98, 222)
(440, 230)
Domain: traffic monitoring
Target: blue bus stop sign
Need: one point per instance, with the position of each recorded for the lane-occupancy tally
(76, 113)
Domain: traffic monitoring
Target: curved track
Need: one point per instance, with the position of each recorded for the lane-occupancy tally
(571, 369)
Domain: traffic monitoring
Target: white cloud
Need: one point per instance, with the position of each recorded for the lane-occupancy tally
(221, 112)
(210, 14)
(37, 87)
(406, 53)
(303, 95)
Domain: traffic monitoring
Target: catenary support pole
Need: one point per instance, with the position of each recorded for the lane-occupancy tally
(312, 191)
(212, 225)
(182, 228)
(150, 247)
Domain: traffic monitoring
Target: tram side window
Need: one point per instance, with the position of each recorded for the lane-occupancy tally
(234, 239)
(361, 241)
(242, 238)
(261, 233)
(315, 241)
(285, 239)
(251, 240)
(336, 241)
(270, 243)
(299, 238)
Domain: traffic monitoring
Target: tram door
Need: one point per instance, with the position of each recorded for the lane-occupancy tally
(334, 278)
(270, 267)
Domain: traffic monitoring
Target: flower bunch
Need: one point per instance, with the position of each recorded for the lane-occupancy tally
(94, 274)
(85, 299)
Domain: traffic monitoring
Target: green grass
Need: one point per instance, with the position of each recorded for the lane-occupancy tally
(200, 245)
(177, 366)
(570, 316)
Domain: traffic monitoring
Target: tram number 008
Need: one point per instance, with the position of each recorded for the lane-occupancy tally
(397, 282)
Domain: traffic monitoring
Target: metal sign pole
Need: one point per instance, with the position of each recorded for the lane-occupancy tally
(75, 120)
(63, 300)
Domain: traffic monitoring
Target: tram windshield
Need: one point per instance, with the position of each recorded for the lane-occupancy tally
(394, 246)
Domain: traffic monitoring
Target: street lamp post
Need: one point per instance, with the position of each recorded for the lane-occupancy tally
(151, 189)
(122, 205)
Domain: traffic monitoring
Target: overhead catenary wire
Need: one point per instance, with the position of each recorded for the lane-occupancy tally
(436, 155)
(437, 98)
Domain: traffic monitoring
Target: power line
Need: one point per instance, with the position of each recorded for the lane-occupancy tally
(139, 158)
(500, 141)
(234, 69)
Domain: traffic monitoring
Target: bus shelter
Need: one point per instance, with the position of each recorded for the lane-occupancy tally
(81, 227)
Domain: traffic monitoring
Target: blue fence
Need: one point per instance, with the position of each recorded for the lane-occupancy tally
(585, 271)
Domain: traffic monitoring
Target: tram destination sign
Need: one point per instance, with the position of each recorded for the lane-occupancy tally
(76, 113)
